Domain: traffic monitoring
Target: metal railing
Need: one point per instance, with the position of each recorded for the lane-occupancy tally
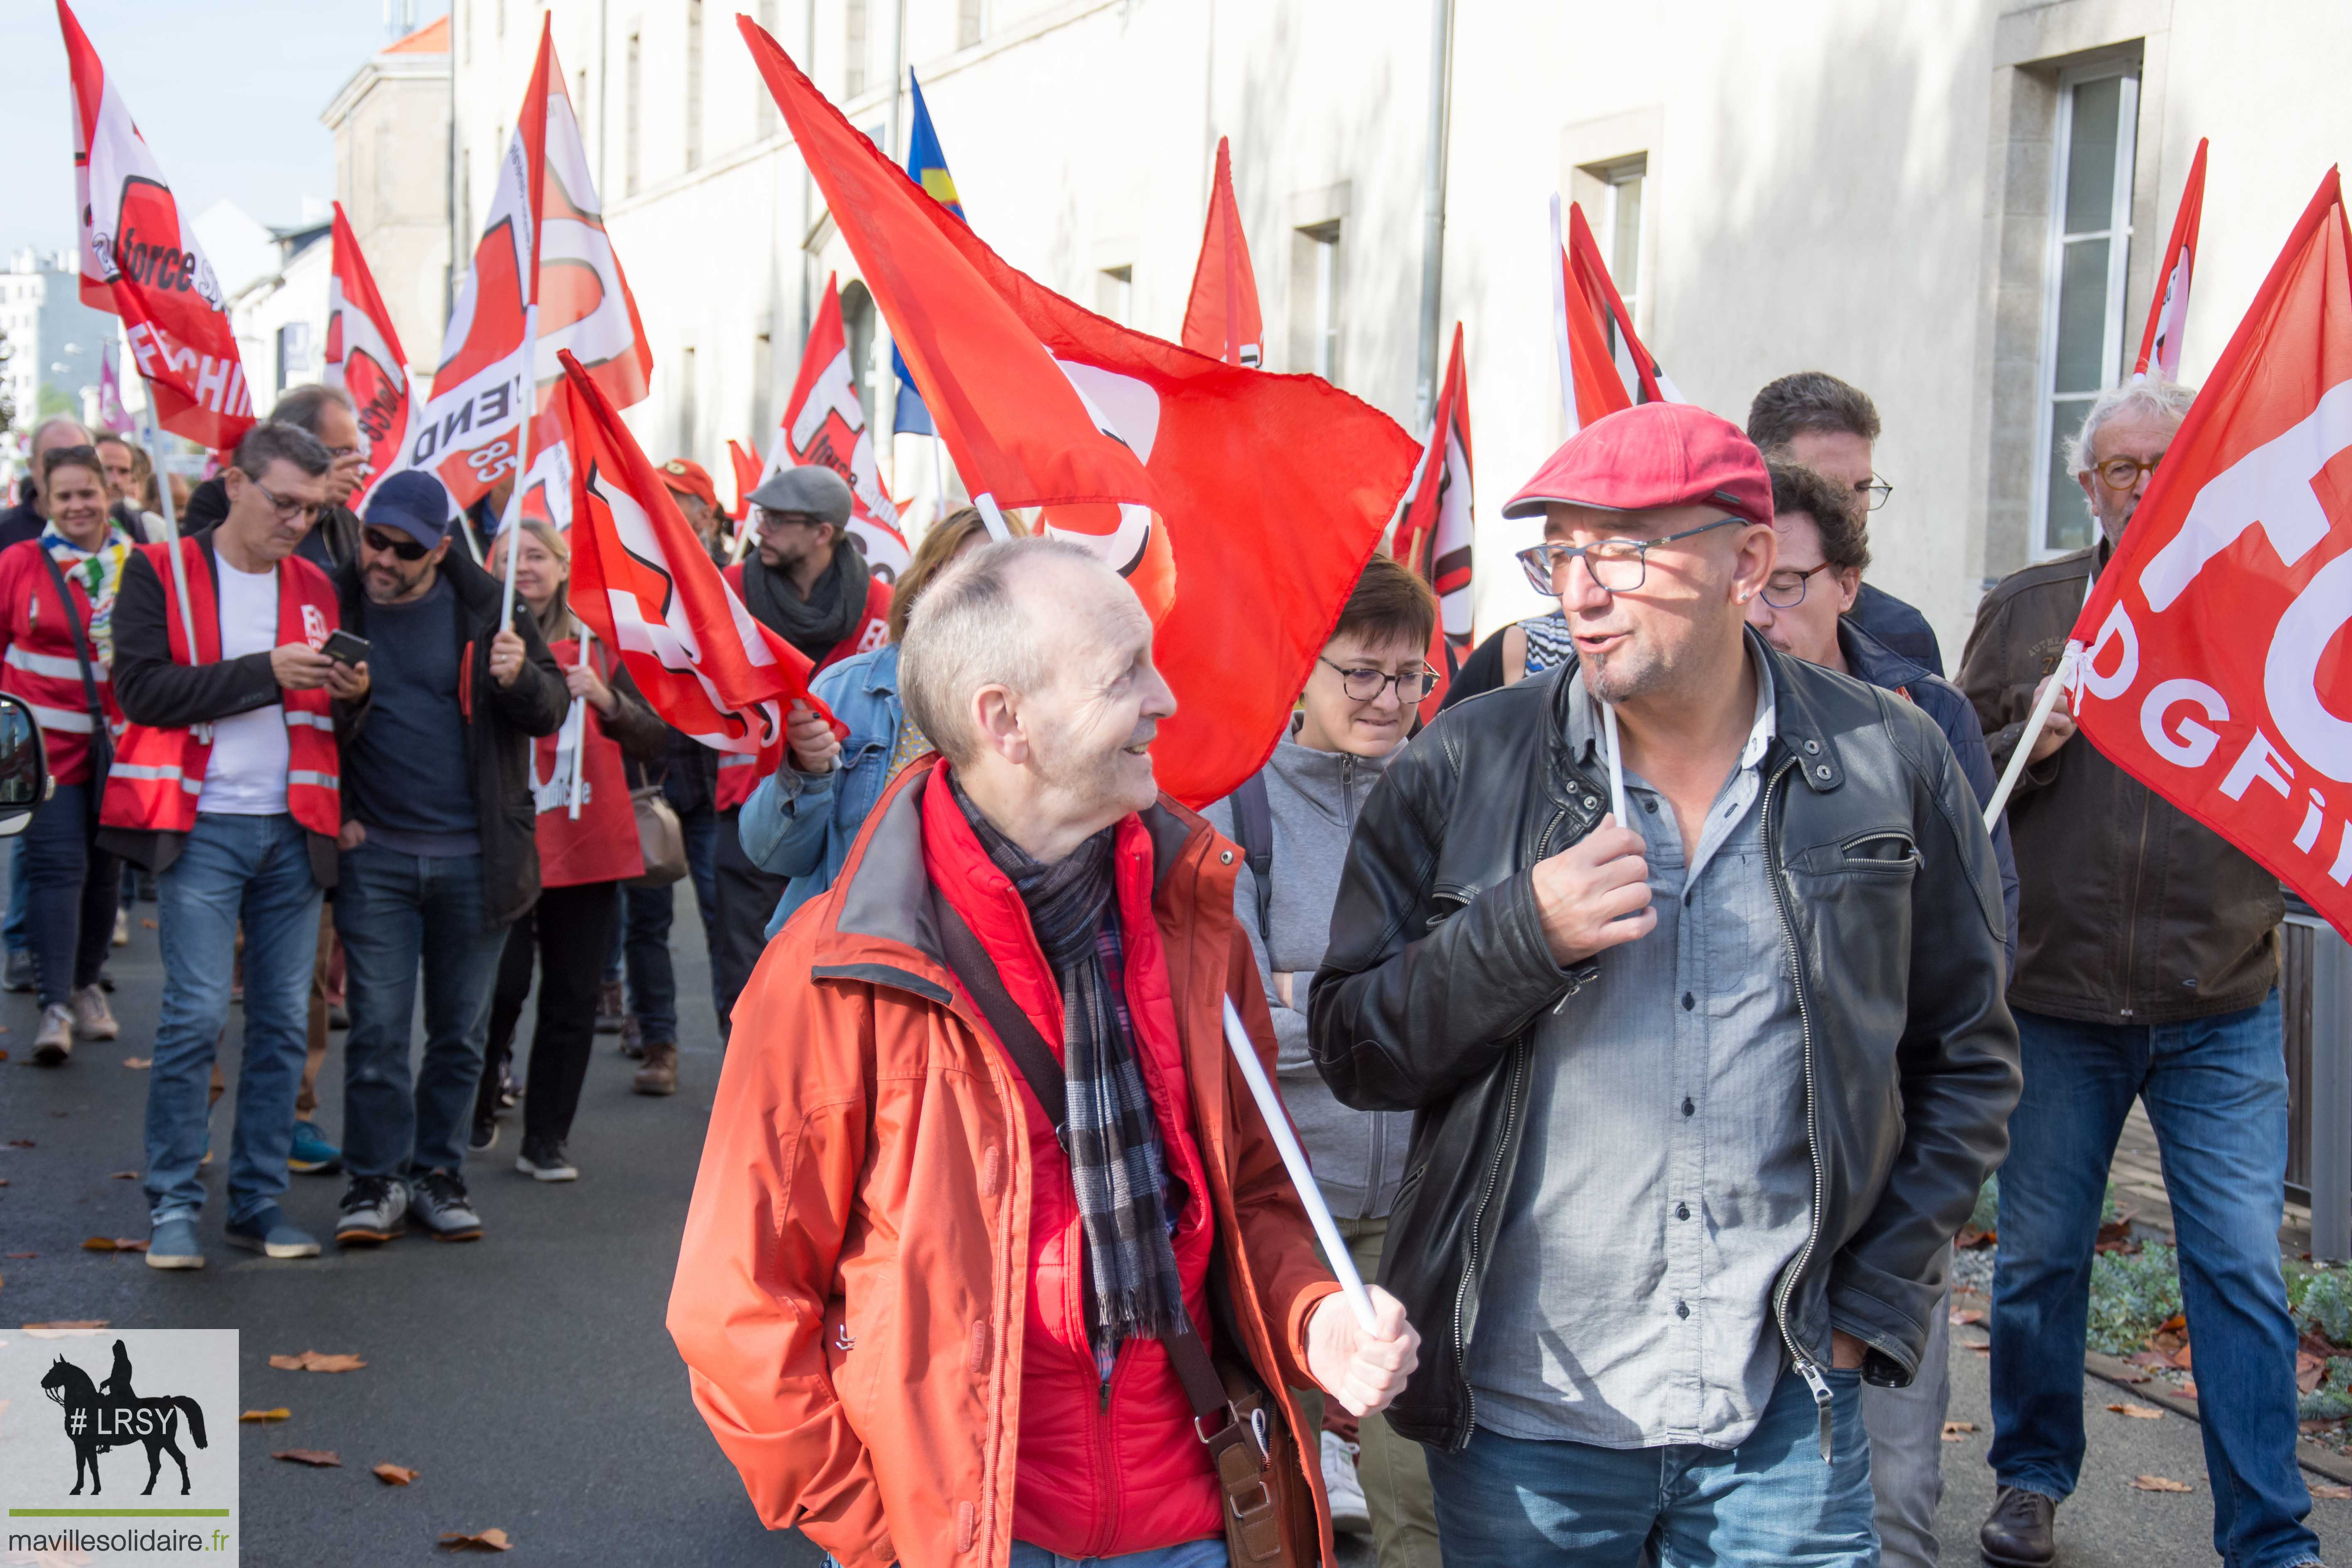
(2315, 1004)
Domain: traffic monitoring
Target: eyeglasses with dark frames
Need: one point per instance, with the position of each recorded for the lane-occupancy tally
(1785, 589)
(2123, 473)
(1875, 493)
(1366, 685)
(1618, 566)
(290, 510)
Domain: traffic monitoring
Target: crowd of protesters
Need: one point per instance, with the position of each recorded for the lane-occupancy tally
(1652, 1014)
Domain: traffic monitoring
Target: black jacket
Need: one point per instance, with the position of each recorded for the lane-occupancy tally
(498, 731)
(1890, 899)
(1898, 626)
(156, 692)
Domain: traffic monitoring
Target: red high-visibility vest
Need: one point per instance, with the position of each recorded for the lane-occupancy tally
(159, 773)
(600, 844)
(740, 772)
(40, 663)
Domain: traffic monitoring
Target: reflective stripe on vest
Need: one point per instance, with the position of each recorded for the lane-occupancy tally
(55, 668)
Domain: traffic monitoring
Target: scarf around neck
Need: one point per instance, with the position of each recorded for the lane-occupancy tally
(815, 625)
(1117, 1168)
(100, 572)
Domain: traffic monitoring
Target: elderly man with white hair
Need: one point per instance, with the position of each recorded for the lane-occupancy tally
(2147, 969)
(991, 1255)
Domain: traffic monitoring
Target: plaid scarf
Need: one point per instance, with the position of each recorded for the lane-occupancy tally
(1117, 1166)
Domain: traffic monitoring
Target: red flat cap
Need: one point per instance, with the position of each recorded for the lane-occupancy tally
(685, 475)
(1649, 455)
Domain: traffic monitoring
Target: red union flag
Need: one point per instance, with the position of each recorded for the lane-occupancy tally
(363, 357)
(2215, 673)
(824, 425)
(644, 584)
(141, 263)
(1434, 538)
(1241, 506)
(747, 478)
(543, 270)
(2159, 345)
(1602, 365)
(1221, 318)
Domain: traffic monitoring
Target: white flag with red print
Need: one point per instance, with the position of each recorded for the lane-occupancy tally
(2215, 673)
(642, 583)
(140, 262)
(824, 425)
(1434, 537)
(2160, 345)
(363, 357)
(544, 270)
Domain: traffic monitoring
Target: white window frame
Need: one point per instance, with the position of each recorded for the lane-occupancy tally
(1614, 177)
(2119, 229)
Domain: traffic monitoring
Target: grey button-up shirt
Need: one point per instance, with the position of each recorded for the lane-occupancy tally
(1664, 1181)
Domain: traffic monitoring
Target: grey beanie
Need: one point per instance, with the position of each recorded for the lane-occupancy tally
(812, 490)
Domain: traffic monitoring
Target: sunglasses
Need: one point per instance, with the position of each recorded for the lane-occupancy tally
(401, 545)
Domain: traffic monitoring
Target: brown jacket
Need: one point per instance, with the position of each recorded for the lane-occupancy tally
(864, 1193)
(2130, 911)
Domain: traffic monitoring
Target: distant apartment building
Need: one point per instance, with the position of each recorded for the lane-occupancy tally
(54, 341)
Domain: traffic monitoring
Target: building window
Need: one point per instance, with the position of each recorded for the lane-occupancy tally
(853, 47)
(2083, 285)
(858, 334)
(1115, 292)
(763, 112)
(1619, 230)
(632, 100)
(972, 22)
(293, 353)
(1315, 299)
(694, 84)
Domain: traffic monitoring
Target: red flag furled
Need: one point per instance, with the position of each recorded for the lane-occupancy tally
(2215, 673)
(1638, 370)
(1241, 506)
(747, 478)
(543, 270)
(363, 357)
(1590, 388)
(642, 583)
(140, 262)
(1221, 318)
(1434, 538)
(824, 423)
(2159, 345)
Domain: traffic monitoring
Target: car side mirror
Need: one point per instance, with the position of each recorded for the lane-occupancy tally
(24, 782)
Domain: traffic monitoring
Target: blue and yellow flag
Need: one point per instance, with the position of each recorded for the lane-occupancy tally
(927, 165)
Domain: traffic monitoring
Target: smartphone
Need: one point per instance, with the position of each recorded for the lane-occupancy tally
(344, 647)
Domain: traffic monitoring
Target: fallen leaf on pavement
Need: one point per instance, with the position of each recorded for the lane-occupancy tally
(1971, 1236)
(2308, 1370)
(319, 1457)
(1968, 1316)
(138, 1064)
(1982, 1350)
(2177, 1323)
(147, 925)
(114, 1243)
(317, 1361)
(2338, 1493)
(488, 1540)
(2138, 1412)
(2160, 1484)
(20, 1143)
(2187, 1391)
(1958, 1431)
(24, 1255)
(393, 1475)
(280, 1414)
(4, 1181)
(124, 1176)
(2148, 1358)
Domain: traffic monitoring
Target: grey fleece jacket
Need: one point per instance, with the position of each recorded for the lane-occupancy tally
(1314, 796)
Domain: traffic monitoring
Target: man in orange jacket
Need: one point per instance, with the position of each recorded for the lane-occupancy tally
(946, 1287)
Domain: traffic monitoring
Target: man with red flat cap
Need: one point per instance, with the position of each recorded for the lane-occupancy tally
(1705, 1083)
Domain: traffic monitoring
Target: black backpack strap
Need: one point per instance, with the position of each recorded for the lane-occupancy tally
(1253, 830)
(1018, 1036)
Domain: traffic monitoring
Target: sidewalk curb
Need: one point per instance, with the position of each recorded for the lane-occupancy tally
(2337, 1467)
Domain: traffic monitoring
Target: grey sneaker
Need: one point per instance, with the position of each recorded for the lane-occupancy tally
(18, 973)
(270, 1234)
(376, 1210)
(442, 1208)
(173, 1243)
(545, 1160)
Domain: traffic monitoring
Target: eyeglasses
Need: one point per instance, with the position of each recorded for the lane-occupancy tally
(1366, 685)
(2123, 473)
(1785, 590)
(1618, 566)
(1875, 493)
(398, 544)
(288, 510)
(768, 521)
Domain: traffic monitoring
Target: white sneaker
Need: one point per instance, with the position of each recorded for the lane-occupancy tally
(1348, 1514)
(122, 927)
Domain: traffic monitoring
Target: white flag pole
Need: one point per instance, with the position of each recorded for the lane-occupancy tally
(997, 529)
(2061, 678)
(579, 717)
(171, 523)
(513, 513)
(1555, 269)
(1616, 764)
(1277, 1121)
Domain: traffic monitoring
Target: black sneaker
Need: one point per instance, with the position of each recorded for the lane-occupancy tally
(374, 1210)
(486, 1135)
(443, 1208)
(545, 1160)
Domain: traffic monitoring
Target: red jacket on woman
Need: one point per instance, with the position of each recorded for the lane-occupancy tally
(37, 662)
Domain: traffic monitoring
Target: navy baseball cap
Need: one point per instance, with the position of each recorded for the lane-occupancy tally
(413, 503)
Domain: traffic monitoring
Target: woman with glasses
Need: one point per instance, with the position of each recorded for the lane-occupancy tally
(1292, 821)
(57, 609)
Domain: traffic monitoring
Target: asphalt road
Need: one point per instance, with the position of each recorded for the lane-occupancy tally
(528, 1376)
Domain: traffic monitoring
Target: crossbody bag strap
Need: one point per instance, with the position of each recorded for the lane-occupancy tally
(82, 644)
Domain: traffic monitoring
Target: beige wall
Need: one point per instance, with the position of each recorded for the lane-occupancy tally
(390, 126)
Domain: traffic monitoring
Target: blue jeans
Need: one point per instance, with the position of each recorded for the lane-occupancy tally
(392, 911)
(71, 890)
(648, 914)
(1503, 1503)
(255, 870)
(2215, 1089)
(16, 933)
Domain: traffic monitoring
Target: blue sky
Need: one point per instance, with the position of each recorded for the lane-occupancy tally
(227, 92)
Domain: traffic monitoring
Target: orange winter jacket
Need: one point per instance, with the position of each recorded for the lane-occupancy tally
(853, 1288)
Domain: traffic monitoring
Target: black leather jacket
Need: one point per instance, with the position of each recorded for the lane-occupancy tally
(1890, 902)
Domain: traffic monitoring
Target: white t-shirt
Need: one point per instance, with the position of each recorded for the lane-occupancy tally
(246, 774)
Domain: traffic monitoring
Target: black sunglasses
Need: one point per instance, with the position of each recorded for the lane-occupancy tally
(401, 545)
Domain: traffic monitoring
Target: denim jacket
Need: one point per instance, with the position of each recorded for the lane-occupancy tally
(801, 824)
